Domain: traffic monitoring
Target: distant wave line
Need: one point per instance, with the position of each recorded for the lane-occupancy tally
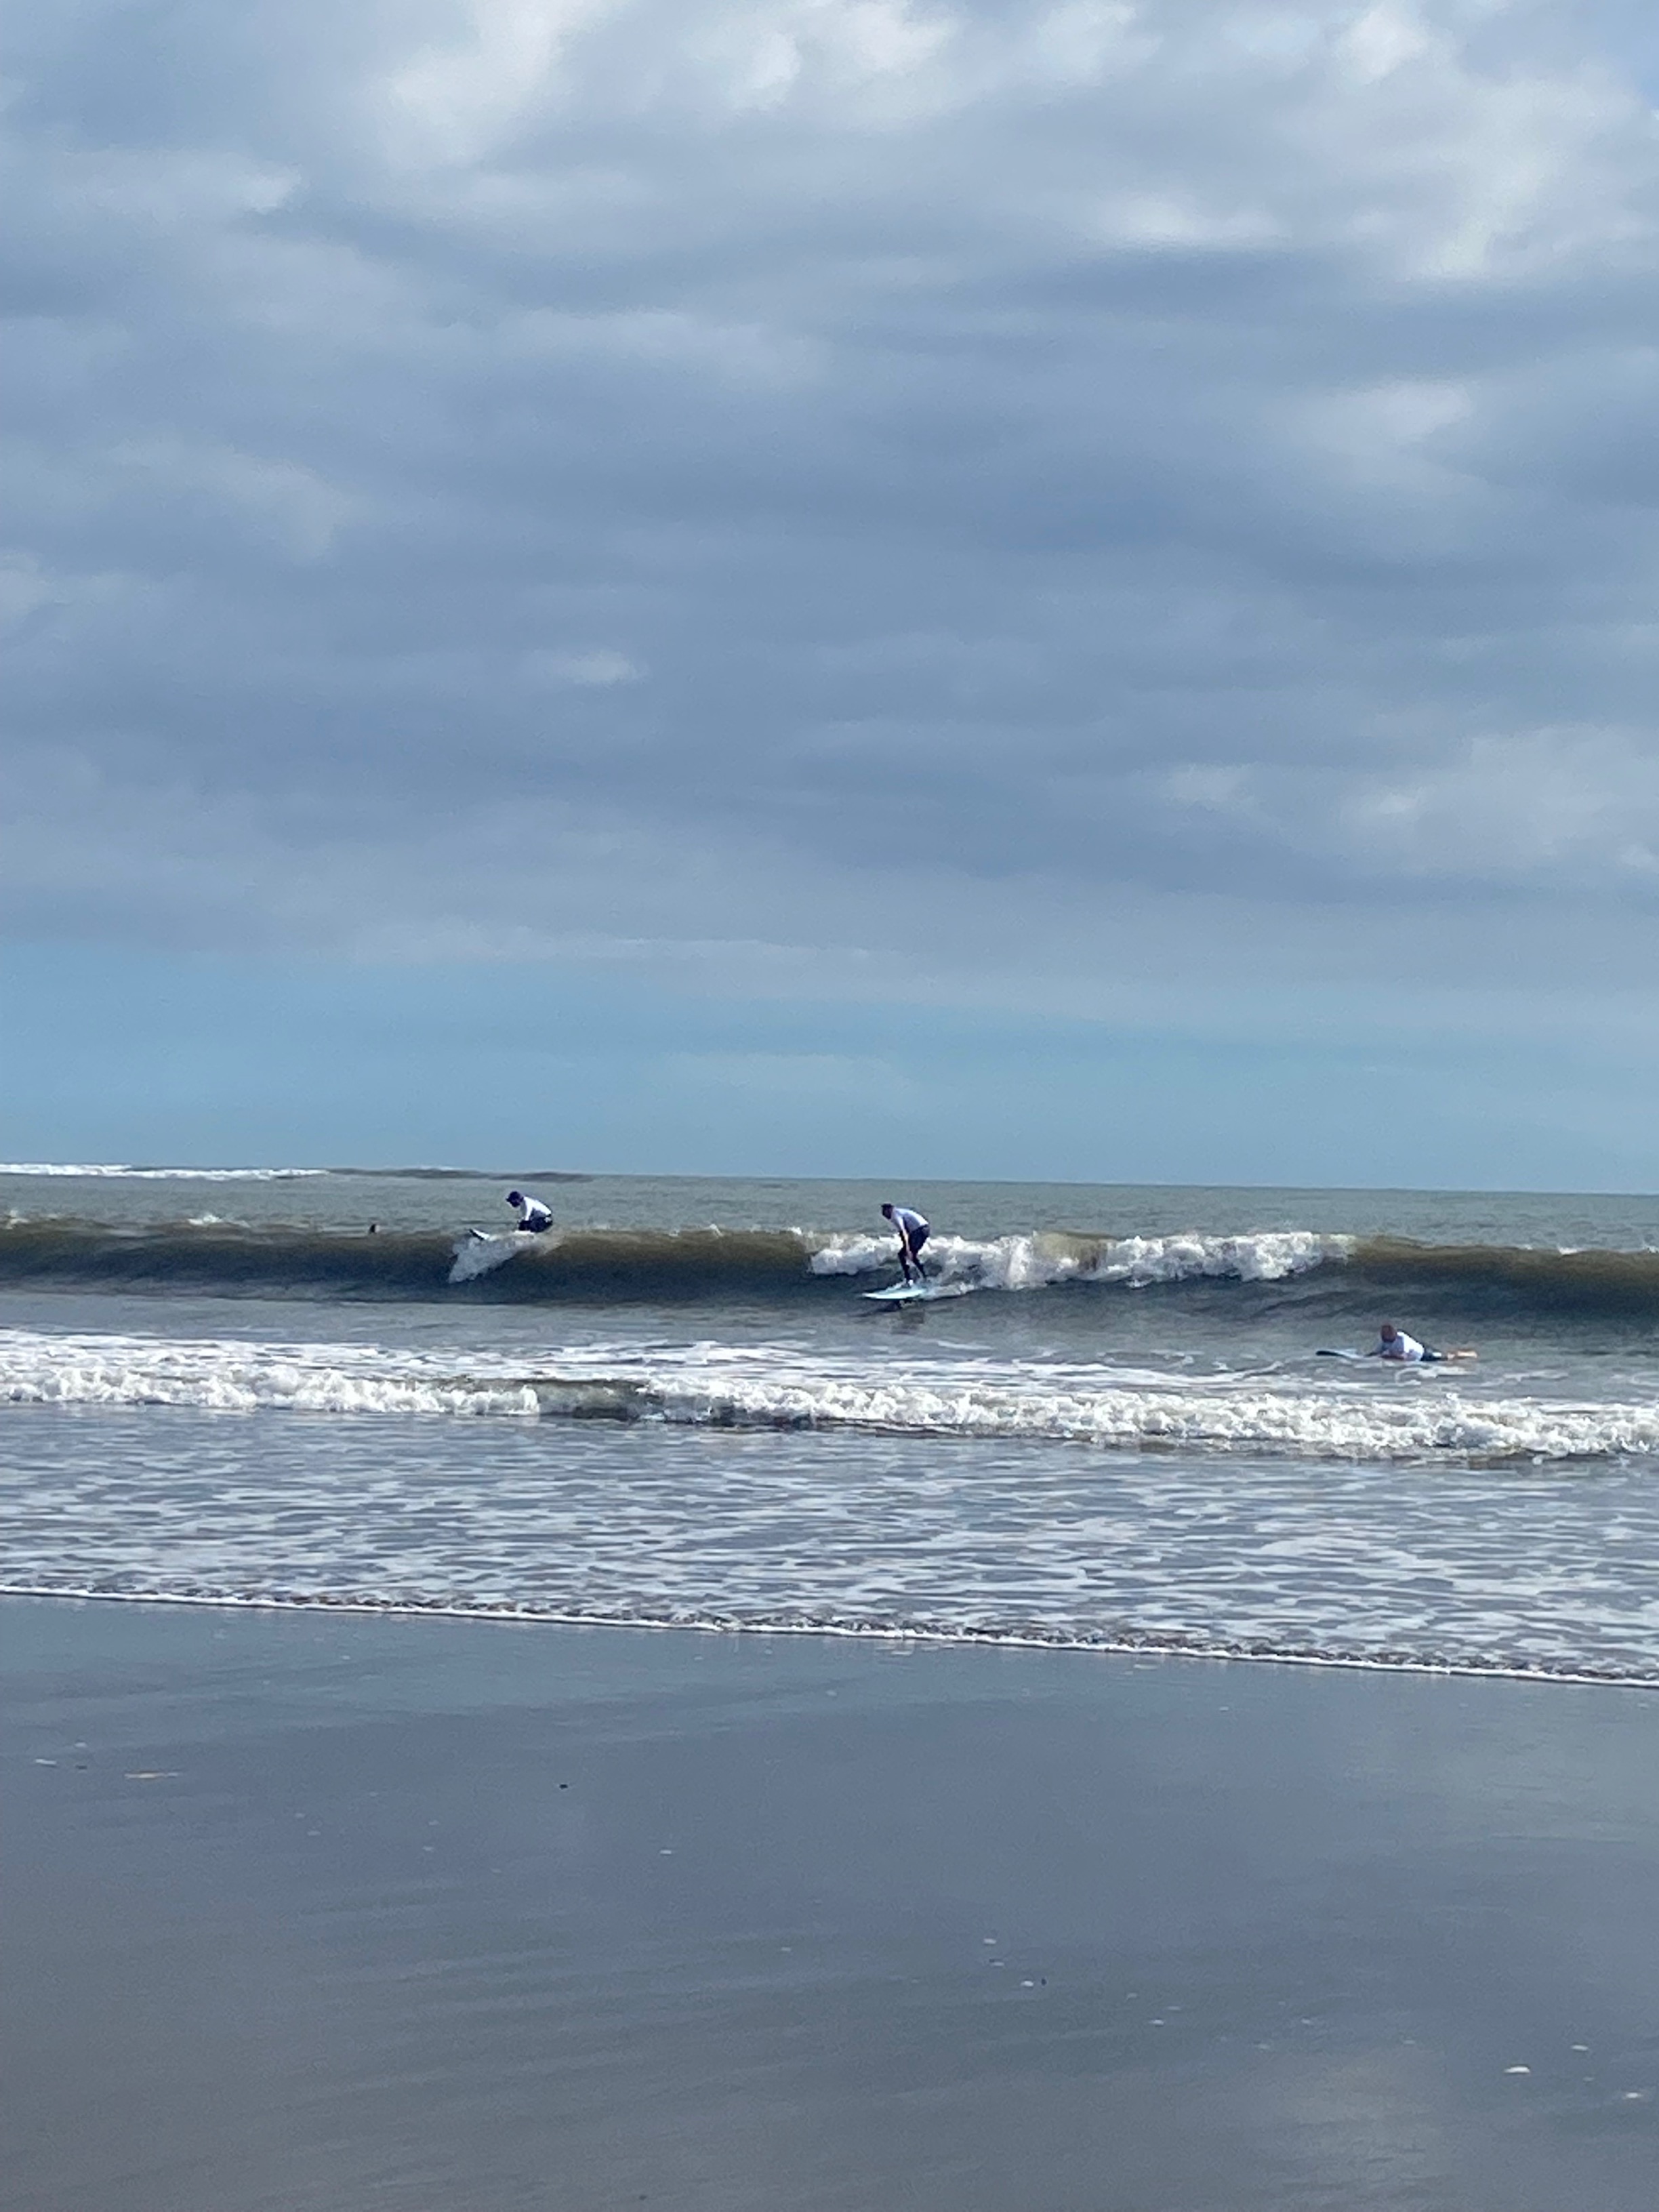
(120, 1171)
(104, 1171)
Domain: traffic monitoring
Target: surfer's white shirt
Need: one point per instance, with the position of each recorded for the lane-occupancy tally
(532, 1214)
(906, 1218)
(1398, 1346)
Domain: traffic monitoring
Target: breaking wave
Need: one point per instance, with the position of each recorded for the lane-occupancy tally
(1383, 1418)
(1048, 1259)
(210, 1254)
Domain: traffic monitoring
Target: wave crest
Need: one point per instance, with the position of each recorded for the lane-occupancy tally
(1047, 1259)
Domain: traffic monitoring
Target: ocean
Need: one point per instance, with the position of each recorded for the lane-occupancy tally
(675, 1409)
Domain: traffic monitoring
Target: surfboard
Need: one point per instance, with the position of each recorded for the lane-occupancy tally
(906, 1294)
(1463, 1352)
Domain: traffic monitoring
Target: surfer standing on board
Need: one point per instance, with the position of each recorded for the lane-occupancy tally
(913, 1235)
(533, 1216)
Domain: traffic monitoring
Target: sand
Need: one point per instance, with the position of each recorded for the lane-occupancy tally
(310, 1910)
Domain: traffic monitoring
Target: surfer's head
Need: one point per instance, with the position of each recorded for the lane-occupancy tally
(1387, 1332)
(887, 1212)
(515, 1198)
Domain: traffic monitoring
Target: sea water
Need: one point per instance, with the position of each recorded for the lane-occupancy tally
(308, 1388)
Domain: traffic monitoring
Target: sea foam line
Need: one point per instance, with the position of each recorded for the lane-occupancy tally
(1176, 1644)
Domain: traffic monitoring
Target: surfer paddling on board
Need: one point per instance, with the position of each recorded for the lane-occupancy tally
(913, 1235)
(1394, 1344)
(533, 1216)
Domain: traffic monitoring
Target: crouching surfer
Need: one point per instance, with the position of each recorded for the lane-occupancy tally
(533, 1216)
(913, 1235)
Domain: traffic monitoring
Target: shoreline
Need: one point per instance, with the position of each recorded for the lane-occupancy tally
(418, 1915)
(934, 1637)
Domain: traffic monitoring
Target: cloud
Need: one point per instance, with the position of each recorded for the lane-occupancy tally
(598, 666)
(928, 488)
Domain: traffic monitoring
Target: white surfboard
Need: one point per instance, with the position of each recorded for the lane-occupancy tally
(906, 1294)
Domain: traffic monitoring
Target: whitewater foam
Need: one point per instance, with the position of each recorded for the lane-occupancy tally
(235, 1377)
(1047, 1259)
(849, 1532)
(477, 1255)
(1413, 1416)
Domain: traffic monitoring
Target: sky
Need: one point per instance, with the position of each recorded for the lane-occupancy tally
(834, 587)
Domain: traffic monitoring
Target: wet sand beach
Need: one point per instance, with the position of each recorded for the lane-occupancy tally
(318, 1912)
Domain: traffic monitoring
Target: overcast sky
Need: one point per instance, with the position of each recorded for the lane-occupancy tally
(828, 587)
